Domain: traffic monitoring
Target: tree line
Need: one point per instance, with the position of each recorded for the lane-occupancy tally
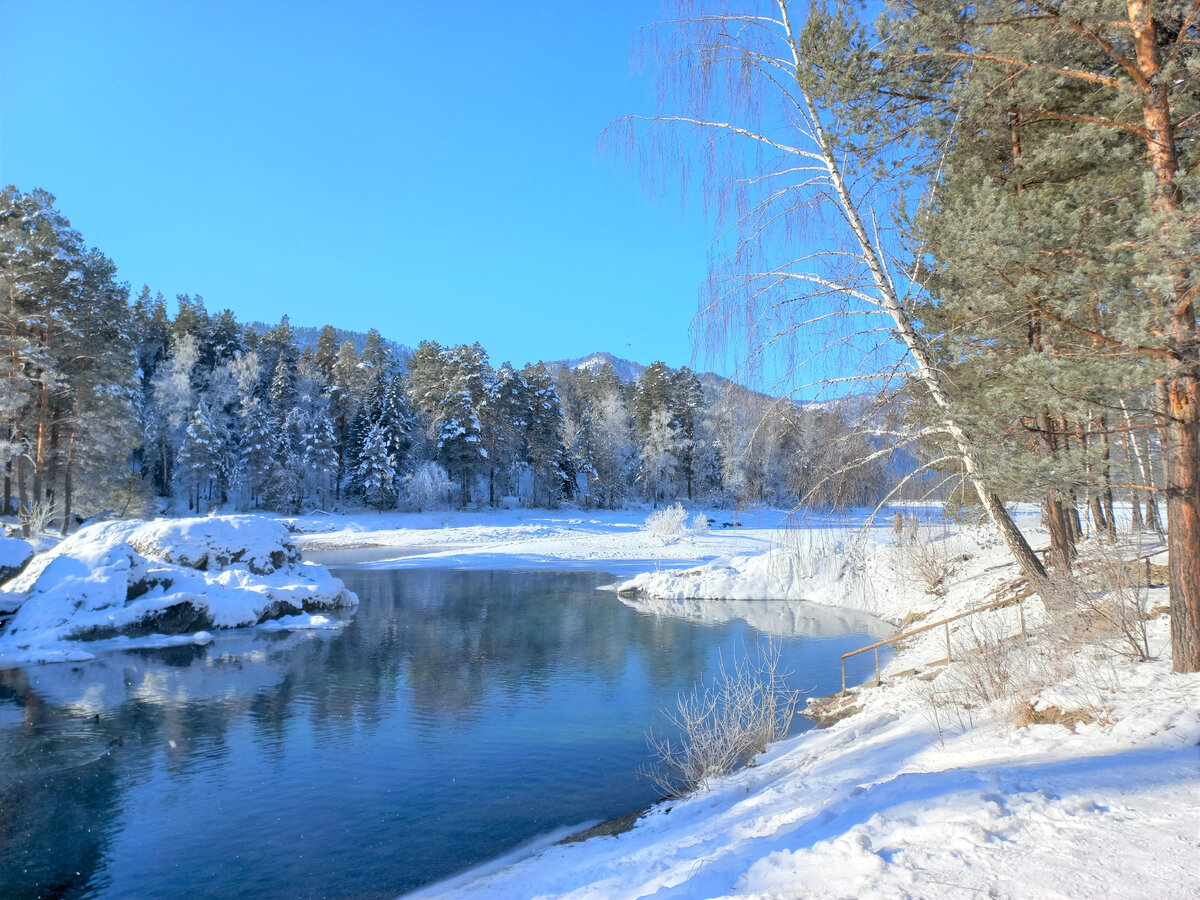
(114, 402)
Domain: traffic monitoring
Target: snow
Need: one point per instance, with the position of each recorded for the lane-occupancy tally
(609, 541)
(117, 581)
(14, 552)
(915, 795)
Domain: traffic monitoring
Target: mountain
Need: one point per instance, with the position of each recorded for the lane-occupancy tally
(627, 370)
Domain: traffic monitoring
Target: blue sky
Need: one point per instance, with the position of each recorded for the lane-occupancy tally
(426, 169)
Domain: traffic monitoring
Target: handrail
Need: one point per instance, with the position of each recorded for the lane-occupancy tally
(1018, 598)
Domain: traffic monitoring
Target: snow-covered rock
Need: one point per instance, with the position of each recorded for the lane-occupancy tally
(215, 542)
(14, 556)
(178, 576)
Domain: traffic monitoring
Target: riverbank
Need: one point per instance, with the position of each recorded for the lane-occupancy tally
(1056, 765)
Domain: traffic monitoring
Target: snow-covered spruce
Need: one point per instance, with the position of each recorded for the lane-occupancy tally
(169, 576)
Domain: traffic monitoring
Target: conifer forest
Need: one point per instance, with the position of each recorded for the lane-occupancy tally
(1006, 191)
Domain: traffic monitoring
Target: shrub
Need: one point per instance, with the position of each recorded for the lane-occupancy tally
(699, 524)
(724, 724)
(668, 523)
(37, 516)
(927, 561)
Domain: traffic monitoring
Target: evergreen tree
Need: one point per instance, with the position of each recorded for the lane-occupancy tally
(283, 487)
(544, 447)
(200, 456)
(376, 471)
(258, 446)
(1074, 176)
(687, 395)
(320, 454)
(460, 446)
(659, 457)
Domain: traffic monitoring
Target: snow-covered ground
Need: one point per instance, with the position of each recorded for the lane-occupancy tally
(1081, 780)
(927, 791)
(167, 581)
(599, 539)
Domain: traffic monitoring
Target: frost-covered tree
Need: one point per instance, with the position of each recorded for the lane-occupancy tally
(320, 454)
(659, 467)
(283, 487)
(428, 487)
(200, 456)
(544, 447)
(770, 98)
(687, 396)
(460, 446)
(377, 471)
(258, 446)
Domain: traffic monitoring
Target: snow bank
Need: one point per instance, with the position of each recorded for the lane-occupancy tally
(925, 791)
(171, 577)
(776, 575)
(868, 572)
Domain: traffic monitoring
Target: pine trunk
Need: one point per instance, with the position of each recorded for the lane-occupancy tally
(40, 446)
(1179, 406)
(22, 496)
(1106, 496)
(69, 467)
(1062, 536)
(1181, 440)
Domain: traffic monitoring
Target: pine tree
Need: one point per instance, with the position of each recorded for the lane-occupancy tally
(460, 446)
(200, 456)
(1073, 173)
(688, 398)
(660, 457)
(258, 446)
(283, 487)
(320, 454)
(544, 447)
(376, 471)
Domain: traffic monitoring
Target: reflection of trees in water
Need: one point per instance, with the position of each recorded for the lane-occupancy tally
(449, 638)
(462, 634)
(57, 789)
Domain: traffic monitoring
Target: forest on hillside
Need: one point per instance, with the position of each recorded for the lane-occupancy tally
(111, 402)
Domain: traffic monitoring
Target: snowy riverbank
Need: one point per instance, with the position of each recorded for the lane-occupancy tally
(927, 790)
(1080, 780)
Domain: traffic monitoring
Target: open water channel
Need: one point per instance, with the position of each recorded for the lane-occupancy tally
(455, 716)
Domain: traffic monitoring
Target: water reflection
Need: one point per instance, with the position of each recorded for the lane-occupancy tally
(455, 715)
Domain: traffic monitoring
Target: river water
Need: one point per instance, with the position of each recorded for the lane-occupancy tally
(454, 716)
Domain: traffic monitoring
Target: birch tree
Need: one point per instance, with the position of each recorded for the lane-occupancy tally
(808, 200)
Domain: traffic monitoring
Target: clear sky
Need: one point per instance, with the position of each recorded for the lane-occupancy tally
(428, 169)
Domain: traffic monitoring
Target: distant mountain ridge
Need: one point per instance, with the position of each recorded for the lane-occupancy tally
(625, 369)
(629, 372)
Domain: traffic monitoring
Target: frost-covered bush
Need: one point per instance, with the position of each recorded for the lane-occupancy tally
(669, 523)
(699, 524)
(428, 487)
(724, 724)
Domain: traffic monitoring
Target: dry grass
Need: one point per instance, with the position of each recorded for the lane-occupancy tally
(725, 724)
